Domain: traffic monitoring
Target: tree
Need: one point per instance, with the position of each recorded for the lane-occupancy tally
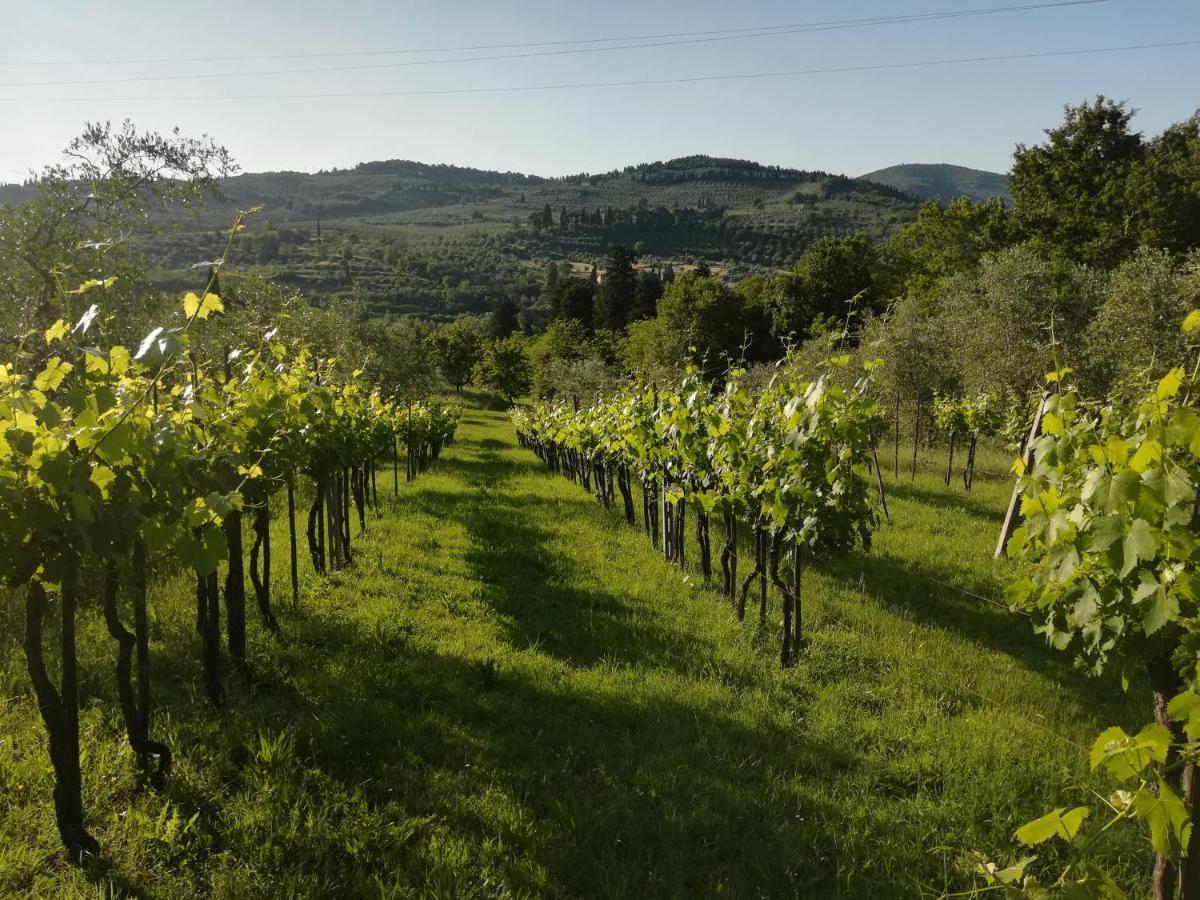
(1165, 189)
(830, 274)
(645, 299)
(573, 301)
(505, 368)
(551, 278)
(403, 359)
(1134, 335)
(76, 228)
(614, 300)
(1018, 318)
(566, 362)
(505, 317)
(647, 350)
(706, 314)
(754, 297)
(1071, 194)
(943, 241)
(457, 349)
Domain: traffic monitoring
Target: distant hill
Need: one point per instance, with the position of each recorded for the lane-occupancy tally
(440, 240)
(942, 181)
(15, 193)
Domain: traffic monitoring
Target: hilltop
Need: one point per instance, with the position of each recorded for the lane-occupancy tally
(943, 182)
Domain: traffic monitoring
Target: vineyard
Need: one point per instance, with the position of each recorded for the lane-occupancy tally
(530, 611)
(116, 463)
(508, 693)
(871, 576)
(792, 463)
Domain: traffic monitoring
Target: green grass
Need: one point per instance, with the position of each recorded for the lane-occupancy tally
(511, 694)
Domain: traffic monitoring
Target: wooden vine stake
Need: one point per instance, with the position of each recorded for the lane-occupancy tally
(879, 478)
(1014, 503)
(896, 435)
(916, 437)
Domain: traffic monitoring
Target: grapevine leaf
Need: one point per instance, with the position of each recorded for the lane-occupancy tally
(118, 360)
(52, 376)
(1185, 708)
(1148, 453)
(1169, 385)
(195, 308)
(1166, 817)
(1123, 756)
(155, 533)
(85, 321)
(93, 283)
(1104, 532)
(102, 477)
(1060, 822)
(148, 342)
(56, 332)
(1139, 545)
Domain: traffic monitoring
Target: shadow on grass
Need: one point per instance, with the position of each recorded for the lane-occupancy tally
(960, 503)
(916, 593)
(562, 789)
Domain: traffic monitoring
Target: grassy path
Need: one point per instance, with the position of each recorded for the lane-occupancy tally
(510, 694)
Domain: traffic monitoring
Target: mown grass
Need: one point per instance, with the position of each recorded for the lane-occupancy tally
(510, 694)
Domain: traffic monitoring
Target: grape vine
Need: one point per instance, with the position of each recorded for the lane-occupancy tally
(113, 459)
(792, 463)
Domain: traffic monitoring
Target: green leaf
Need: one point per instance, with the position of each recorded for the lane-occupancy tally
(1166, 817)
(1169, 386)
(52, 376)
(85, 321)
(1162, 606)
(1103, 532)
(1139, 545)
(1126, 757)
(148, 342)
(155, 533)
(1148, 453)
(56, 332)
(93, 283)
(1185, 708)
(102, 477)
(195, 308)
(1060, 822)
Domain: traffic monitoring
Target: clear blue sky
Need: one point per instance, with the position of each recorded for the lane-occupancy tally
(846, 122)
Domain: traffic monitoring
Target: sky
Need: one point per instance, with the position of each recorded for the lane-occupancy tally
(849, 122)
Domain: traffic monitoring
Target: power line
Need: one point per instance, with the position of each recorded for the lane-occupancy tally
(1043, 54)
(742, 34)
(874, 20)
